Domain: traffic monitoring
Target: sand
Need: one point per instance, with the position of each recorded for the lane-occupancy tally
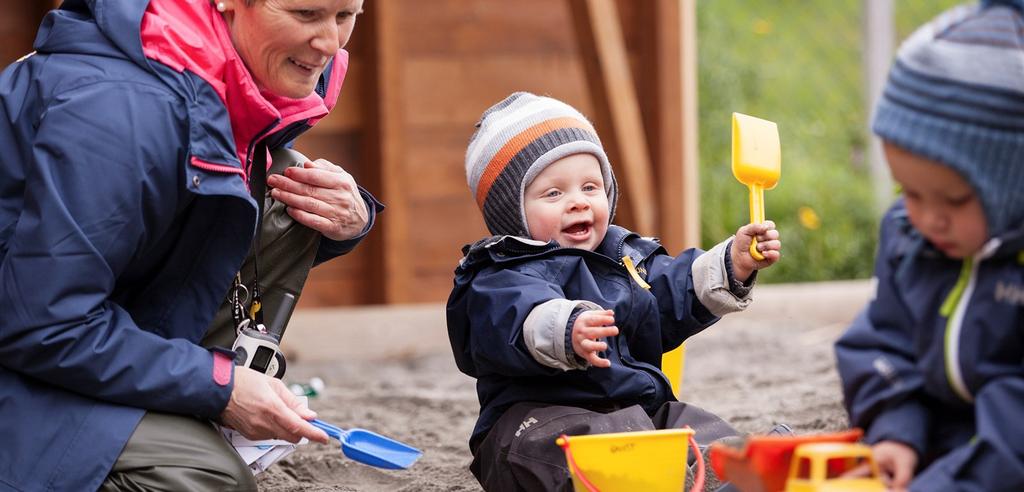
(390, 370)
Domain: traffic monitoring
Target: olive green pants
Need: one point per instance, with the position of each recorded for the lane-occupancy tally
(175, 452)
(182, 453)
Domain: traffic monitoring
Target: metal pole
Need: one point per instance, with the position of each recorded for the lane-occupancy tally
(879, 38)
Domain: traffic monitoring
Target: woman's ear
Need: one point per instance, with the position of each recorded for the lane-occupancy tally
(224, 5)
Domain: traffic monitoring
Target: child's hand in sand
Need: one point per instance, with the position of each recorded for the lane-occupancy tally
(590, 326)
(768, 244)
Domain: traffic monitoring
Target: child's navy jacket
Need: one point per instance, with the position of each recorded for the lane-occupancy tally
(936, 360)
(501, 280)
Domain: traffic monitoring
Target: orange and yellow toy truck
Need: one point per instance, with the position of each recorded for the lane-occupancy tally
(810, 463)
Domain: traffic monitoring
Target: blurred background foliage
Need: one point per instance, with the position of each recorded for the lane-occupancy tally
(799, 64)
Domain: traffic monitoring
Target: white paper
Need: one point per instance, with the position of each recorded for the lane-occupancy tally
(259, 455)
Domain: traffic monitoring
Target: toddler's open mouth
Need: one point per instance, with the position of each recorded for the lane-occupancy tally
(578, 229)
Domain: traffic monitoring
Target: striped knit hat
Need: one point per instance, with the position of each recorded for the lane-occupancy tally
(514, 141)
(955, 95)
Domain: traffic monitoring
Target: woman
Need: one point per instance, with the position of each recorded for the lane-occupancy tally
(130, 138)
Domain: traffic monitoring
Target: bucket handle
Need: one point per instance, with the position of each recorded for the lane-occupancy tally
(698, 479)
(563, 441)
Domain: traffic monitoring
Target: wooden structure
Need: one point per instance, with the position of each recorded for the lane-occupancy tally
(422, 72)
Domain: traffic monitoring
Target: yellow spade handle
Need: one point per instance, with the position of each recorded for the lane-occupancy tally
(756, 216)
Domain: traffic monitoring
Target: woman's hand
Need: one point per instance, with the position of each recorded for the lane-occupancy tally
(323, 197)
(588, 328)
(768, 243)
(896, 462)
(261, 407)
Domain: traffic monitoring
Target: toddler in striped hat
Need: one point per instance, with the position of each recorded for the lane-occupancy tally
(528, 149)
(562, 316)
(932, 370)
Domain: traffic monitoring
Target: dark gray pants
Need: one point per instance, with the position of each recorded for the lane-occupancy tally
(520, 454)
(179, 453)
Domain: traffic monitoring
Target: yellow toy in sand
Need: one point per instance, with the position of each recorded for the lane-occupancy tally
(651, 461)
(756, 162)
(831, 462)
(821, 467)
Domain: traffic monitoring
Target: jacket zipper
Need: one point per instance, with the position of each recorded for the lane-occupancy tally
(954, 308)
(252, 148)
(620, 269)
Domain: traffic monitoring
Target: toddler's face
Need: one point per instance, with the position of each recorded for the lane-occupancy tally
(940, 203)
(567, 202)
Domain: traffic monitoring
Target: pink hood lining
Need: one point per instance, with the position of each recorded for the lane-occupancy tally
(192, 35)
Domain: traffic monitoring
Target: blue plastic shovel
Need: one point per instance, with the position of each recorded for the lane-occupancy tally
(371, 448)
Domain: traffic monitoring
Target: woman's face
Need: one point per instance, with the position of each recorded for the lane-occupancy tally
(286, 44)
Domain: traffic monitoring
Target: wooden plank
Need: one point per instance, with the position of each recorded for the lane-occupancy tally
(470, 28)
(617, 111)
(456, 90)
(390, 272)
(436, 163)
(19, 21)
(461, 226)
(690, 106)
(668, 57)
(429, 284)
(339, 282)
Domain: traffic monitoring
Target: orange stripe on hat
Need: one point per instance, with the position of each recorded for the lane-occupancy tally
(515, 145)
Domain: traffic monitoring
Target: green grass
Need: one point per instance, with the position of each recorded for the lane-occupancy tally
(798, 64)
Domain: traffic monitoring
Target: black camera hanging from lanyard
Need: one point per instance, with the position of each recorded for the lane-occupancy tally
(256, 346)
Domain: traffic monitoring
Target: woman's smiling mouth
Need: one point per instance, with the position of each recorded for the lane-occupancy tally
(303, 66)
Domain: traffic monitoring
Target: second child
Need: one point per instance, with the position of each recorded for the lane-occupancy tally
(933, 368)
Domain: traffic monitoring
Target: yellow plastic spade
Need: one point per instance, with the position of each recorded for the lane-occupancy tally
(756, 162)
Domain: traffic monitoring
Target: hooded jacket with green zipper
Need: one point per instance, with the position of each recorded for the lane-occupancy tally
(127, 140)
(936, 360)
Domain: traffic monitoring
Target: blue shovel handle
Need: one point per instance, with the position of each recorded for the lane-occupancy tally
(371, 448)
(331, 430)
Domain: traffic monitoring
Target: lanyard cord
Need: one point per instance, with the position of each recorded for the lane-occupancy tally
(258, 189)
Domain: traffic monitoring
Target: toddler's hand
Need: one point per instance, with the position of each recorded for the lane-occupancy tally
(768, 243)
(896, 461)
(588, 328)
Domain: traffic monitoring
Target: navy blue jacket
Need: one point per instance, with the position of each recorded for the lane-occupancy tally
(497, 286)
(936, 360)
(124, 214)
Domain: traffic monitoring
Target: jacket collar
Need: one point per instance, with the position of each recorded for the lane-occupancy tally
(618, 242)
(191, 35)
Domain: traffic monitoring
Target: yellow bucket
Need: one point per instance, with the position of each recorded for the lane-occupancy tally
(651, 461)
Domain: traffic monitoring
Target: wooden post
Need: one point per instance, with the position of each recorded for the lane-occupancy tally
(878, 45)
(667, 52)
(690, 105)
(390, 272)
(669, 56)
(617, 111)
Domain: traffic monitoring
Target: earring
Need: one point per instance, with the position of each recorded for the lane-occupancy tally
(221, 7)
